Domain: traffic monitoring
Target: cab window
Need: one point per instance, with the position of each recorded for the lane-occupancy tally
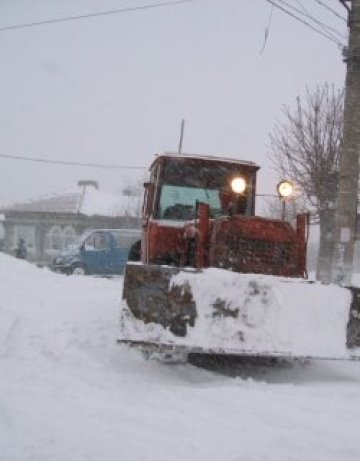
(179, 203)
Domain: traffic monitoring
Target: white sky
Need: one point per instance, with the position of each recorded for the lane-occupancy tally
(113, 89)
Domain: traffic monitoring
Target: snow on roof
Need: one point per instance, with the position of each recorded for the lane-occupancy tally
(65, 203)
(99, 203)
(87, 201)
(218, 158)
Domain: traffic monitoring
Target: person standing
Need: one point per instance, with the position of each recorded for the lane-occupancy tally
(20, 251)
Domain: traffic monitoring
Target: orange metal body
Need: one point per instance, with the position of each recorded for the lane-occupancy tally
(241, 243)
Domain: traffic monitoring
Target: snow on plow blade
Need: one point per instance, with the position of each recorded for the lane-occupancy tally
(223, 312)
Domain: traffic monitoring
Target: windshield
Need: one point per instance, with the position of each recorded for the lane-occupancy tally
(177, 202)
(72, 249)
(184, 183)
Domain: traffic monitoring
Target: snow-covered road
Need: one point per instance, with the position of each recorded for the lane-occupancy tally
(69, 392)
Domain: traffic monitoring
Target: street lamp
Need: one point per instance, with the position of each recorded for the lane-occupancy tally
(285, 190)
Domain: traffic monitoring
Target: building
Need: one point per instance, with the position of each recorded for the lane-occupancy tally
(51, 223)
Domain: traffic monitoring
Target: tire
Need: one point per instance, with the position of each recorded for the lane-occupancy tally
(135, 251)
(78, 269)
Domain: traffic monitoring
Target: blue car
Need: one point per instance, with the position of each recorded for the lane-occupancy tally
(97, 252)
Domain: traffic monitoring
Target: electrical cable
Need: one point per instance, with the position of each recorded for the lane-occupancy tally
(327, 29)
(91, 15)
(306, 23)
(324, 26)
(68, 163)
(330, 9)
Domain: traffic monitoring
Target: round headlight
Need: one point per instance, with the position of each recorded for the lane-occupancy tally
(238, 185)
(285, 189)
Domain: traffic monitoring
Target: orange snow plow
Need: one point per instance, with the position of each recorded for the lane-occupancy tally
(214, 278)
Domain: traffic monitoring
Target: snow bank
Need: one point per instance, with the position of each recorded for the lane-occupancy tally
(37, 306)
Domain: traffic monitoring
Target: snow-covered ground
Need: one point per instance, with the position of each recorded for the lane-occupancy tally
(68, 392)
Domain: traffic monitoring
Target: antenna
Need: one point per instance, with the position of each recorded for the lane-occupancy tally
(181, 136)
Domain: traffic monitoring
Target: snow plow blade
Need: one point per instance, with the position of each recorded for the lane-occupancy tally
(216, 311)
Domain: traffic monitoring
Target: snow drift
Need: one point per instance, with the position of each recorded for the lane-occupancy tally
(69, 392)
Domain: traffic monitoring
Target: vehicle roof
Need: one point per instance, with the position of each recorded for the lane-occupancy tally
(216, 158)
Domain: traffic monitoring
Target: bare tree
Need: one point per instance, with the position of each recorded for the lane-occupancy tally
(305, 147)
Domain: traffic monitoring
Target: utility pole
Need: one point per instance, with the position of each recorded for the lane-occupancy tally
(347, 196)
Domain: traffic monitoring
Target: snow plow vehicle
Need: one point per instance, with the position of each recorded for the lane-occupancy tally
(212, 277)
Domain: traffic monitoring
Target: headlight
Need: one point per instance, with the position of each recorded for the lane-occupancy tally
(285, 189)
(238, 185)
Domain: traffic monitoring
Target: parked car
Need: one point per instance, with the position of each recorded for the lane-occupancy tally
(97, 252)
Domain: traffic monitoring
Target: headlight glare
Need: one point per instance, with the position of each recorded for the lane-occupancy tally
(238, 185)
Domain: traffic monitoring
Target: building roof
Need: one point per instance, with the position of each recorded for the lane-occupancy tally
(87, 201)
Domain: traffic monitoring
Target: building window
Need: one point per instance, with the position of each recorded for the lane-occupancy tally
(69, 236)
(55, 239)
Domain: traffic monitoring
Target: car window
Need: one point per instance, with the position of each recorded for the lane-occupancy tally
(89, 243)
(100, 242)
(97, 241)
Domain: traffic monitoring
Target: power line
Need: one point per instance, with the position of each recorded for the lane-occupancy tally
(330, 9)
(329, 37)
(327, 29)
(92, 15)
(64, 162)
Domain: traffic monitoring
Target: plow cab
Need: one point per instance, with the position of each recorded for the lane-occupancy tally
(215, 278)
